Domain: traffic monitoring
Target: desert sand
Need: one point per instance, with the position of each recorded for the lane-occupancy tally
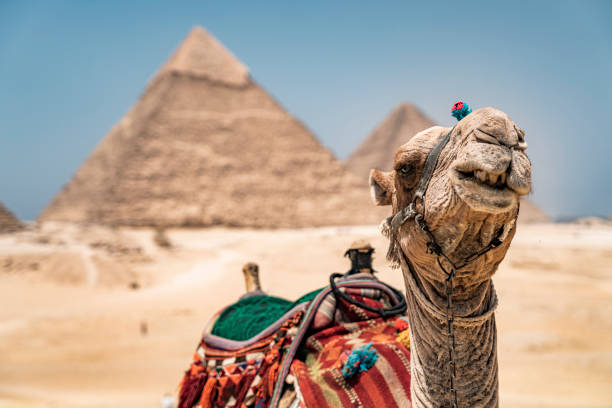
(99, 317)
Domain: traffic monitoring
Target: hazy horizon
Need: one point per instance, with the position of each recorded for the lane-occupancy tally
(69, 71)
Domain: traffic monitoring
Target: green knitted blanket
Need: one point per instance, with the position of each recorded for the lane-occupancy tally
(248, 317)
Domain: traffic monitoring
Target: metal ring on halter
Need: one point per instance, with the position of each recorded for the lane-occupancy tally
(419, 199)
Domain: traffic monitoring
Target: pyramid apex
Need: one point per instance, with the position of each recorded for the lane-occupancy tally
(201, 54)
(197, 30)
(406, 104)
(408, 112)
(406, 107)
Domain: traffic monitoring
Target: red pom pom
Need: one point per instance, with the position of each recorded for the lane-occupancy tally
(401, 324)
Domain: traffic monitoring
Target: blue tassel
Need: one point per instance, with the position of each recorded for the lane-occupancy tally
(359, 360)
(460, 110)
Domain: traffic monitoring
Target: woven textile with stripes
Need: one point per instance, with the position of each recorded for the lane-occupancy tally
(298, 360)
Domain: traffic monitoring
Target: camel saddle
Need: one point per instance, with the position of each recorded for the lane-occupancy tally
(346, 344)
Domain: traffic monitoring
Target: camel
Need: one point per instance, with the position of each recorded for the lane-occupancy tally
(454, 195)
(448, 234)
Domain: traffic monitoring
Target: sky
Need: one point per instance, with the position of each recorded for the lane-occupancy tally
(69, 70)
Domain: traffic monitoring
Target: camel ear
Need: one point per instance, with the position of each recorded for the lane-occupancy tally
(381, 186)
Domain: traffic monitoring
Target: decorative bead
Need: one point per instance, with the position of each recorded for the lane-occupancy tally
(460, 110)
(359, 360)
(404, 338)
(401, 324)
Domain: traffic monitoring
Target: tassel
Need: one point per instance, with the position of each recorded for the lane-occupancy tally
(360, 360)
(206, 401)
(404, 338)
(385, 227)
(243, 386)
(191, 386)
(271, 378)
(386, 231)
(401, 324)
(391, 251)
(266, 372)
(460, 110)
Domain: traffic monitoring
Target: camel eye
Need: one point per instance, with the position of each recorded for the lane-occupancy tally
(406, 170)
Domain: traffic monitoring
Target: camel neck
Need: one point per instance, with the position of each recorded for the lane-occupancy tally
(475, 335)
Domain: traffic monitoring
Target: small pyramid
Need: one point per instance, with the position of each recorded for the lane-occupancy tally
(531, 213)
(8, 222)
(377, 151)
(206, 145)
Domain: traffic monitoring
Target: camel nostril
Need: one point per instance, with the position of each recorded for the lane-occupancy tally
(520, 134)
(485, 137)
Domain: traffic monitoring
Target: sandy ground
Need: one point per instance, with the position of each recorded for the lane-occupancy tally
(73, 333)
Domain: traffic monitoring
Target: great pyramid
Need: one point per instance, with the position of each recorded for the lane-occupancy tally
(206, 145)
(378, 150)
(8, 222)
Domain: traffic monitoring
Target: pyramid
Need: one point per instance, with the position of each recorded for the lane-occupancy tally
(205, 145)
(8, 222)
(531, 213)
(378, 151)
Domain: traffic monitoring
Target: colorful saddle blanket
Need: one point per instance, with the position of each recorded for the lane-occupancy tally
(345, 345)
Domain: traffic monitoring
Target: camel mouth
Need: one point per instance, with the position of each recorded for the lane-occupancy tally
(483, 190)
(484, 178)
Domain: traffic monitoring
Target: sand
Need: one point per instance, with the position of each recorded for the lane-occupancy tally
(71, 322)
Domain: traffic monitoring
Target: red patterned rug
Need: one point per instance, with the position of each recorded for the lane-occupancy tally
(340, 349)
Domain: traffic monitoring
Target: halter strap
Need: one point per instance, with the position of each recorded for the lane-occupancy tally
(431, 162)
(430, 166)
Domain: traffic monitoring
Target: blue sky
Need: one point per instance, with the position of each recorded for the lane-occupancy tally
(70, 70)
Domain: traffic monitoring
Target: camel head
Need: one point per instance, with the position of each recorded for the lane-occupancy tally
(473, 194)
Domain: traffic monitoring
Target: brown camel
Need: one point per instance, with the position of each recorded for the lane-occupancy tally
(454, 217)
